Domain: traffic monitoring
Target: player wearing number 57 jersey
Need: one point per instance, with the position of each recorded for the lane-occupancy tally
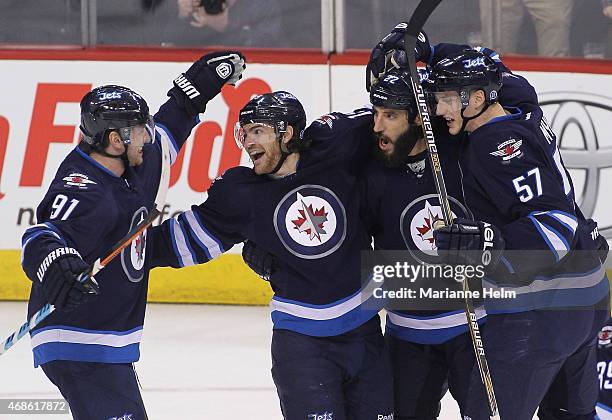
(101, 190)
(604, 369)
(300, 203)
(541, 343)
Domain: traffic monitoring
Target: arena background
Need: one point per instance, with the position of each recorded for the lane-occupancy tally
(52, 52)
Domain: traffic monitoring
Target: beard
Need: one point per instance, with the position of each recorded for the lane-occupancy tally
(401, 151)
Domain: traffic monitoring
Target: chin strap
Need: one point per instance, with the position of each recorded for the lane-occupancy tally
(468, 119)
(283, 157)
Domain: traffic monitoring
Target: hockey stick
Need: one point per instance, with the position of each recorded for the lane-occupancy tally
(100, 263)
(415, 25)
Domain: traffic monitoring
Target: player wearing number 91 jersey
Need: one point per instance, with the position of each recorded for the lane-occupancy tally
(541, 342)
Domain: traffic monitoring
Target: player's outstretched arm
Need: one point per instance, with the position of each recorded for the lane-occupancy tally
(192, 91)
(206, 230)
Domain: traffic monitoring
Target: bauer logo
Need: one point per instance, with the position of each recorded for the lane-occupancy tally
(310, 221)
(582, 123)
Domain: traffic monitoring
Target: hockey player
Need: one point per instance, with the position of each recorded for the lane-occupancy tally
(430, 348)
(101, 190)
(513, 178)
(604, 369)
(300, 203)
(521, 195)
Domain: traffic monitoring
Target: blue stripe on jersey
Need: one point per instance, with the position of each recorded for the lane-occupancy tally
(174, 149)
(516, 114)
(505, 261)
(211, 246)
(428, 335)
(573, 290)
(60, 342)
(37, 230)
(85, 353)
(555, 241)
(569, 221)
(330, 319)
(180, 244)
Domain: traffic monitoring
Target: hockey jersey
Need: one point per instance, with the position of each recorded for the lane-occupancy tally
(89, 208)
(308, 220)
(604, 369)
(400, 208)
(513, 177)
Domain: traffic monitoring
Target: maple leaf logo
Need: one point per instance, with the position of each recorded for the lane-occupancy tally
(426, 230)
(310, 221)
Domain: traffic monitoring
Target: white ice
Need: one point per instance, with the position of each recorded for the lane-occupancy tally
(198, 362)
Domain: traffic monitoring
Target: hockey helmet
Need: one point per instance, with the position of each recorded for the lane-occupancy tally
(113, 107)
(280, 109)
(394, 91)
(466, 71)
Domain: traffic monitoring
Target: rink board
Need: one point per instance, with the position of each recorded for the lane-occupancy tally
(39, 126)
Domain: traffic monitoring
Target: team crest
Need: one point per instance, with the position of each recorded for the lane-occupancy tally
(604, 337)
(133, 257)
(310, 221)
(419, 220)
(508, 150)
(80, 181)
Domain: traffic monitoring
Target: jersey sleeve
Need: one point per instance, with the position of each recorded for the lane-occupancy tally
(343, 136)
(68, 218)
(206, 230)
(175, 125)
(528, 191)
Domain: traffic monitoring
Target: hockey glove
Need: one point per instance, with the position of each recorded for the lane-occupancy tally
(204, 79)
(389, 53)
(65, 282)
(259, 260)
(470, 242)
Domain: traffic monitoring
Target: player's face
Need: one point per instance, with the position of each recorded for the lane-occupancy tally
(389, 126)
(259, 140)
(448, 106)
(139, 137)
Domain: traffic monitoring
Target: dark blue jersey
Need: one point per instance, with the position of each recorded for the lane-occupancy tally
(89, 208)
(513, 177)
(401, 207)
(308, 220)
(604, 369)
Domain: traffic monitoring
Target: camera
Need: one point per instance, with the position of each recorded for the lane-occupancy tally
(213, 7)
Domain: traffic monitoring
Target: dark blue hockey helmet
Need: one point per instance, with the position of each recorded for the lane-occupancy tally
(280, 109)
(464, 72)
(394, 91)
(111, 107)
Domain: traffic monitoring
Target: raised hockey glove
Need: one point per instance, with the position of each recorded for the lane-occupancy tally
(389, 53)
(204, 79)
(64, 278)
(259, 260)
(470, 242)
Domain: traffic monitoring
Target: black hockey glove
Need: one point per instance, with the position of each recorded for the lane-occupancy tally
(389, 53)
(259, 260)
(65, 282)
(204, 79)
(470, 242)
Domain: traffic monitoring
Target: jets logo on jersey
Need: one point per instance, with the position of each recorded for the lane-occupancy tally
(508, 150)
(80, 181)
(604, 336)
(310, 221)
(133, 257)
(326, 119)
(419, 220)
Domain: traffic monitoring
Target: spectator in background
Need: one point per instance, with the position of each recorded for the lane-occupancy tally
(502, 21)
(239, 23)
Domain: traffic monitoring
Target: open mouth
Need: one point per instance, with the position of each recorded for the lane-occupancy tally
(383, 142)
(256, 156)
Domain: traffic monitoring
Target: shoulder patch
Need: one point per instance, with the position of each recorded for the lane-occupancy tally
(326, 119)
(508, 150)
(77, 180)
